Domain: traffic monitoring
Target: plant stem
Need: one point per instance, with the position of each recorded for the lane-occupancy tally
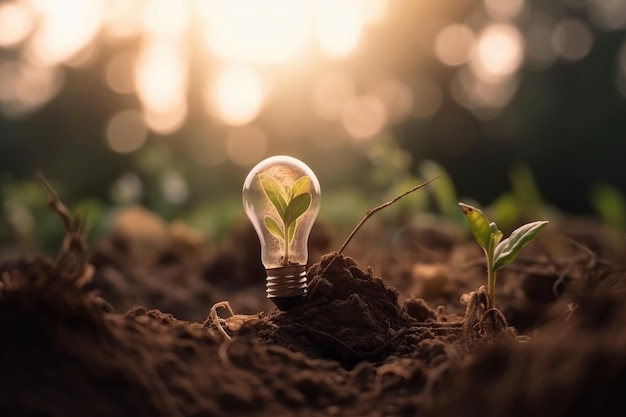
(286, 259)
(491, 278)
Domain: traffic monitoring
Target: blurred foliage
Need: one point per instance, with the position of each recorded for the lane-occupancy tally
(544, 131)
(610, 205)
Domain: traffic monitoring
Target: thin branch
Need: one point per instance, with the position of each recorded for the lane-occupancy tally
(369, 214)
(55, 203)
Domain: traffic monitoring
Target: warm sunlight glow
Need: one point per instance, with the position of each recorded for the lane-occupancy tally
(168, 121)
(166, 18)
(268, 31)
(454, 44)
(499, 53)
(338, 26)
(331, 92)
(126, 131)
(160, 76)
(15, 23)
(372, 11)
(123, 18)
(237, 95)
(65, 27)
(147, 47)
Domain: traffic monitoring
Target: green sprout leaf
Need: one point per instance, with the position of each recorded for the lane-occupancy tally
(496, 236)
(509, 248)
(291, 231)
(478, 224)
(498, 253)
(291, 202)
(300, 186)
(273, 227)
(296, 208)
(274, 193)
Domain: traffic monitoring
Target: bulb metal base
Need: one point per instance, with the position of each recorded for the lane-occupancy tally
(286, 286)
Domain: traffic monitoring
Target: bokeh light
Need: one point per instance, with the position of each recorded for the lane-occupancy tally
(504, 9)
(338, 26)
(119, 73)
(26, 87)
(126, 131)
(499, 52)
(128, 188)
(236, 95)
(165, 18)
(269, 31)
(454, 44)
(397, 99)
(607, 14)
(230, 82)
(538, 38)
(364, 117)
(572, 39)
(160, 76)
(174, 187)
(64, 28)
(15, 23)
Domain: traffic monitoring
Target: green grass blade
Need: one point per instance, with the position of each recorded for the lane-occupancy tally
(509, 248)
(273, 227)
(478, 224)
(274, 193)
(301, 186)
(296, 208)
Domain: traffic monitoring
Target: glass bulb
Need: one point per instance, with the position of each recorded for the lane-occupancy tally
(281, 196)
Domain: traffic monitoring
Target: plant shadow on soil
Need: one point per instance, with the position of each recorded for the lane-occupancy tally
(357, 345)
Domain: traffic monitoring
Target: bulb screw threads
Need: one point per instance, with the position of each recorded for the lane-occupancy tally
(286, 286)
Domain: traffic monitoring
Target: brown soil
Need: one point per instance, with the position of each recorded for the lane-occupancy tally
(131, 342)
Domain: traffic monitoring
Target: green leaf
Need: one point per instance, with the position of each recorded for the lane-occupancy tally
(301, 186)
(478, 224)
(496, 236)
(509, 248)
(274, 193)
(291, 231)
(273, 227)
(296, 208)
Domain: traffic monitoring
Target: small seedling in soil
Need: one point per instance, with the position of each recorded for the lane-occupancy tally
(290, 203)
(498, 253)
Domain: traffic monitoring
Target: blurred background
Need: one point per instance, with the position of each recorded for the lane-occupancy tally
(168, 104)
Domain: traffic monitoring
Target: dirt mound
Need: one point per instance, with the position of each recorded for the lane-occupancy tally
(349, 316)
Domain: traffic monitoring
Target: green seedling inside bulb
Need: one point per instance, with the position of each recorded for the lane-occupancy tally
(281, 197)
(497, 251)
(290, 202)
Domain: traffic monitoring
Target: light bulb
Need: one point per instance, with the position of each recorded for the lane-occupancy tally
(281, 196)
